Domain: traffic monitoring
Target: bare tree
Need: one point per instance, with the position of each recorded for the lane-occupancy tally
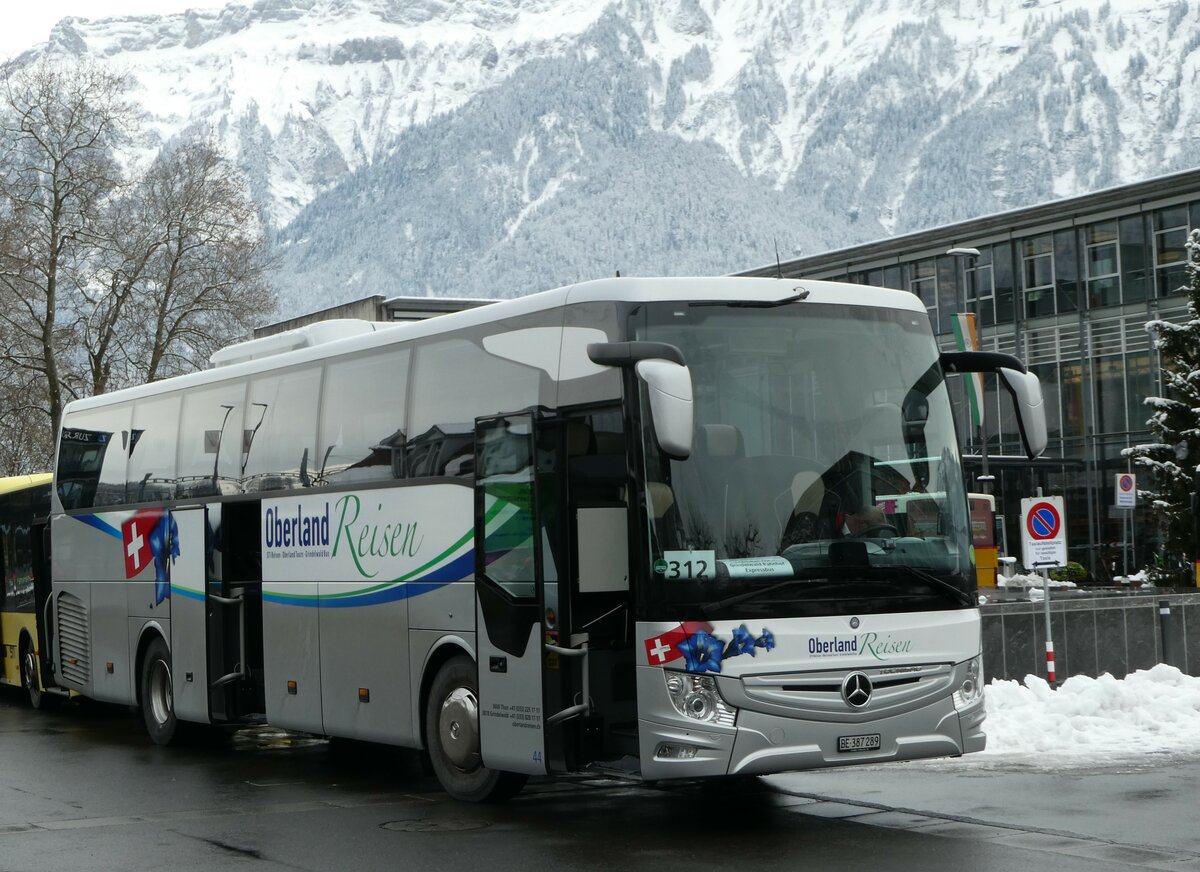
(183, 272)
(106, 281)
(58, 128)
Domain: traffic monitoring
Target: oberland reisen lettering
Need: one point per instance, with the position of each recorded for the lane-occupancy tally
(363, 539)
(836, 645)
(297, 531)
(879, 647)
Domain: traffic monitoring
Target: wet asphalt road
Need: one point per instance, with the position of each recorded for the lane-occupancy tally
(82, 788)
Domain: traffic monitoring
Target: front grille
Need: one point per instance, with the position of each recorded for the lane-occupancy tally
(817, 695)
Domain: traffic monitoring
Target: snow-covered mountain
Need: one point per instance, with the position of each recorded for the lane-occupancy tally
(494, 147)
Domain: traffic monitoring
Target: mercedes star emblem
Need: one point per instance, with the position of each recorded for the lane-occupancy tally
(856, 690)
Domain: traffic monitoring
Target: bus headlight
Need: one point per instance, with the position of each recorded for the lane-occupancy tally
(696, 697)
(970, 691)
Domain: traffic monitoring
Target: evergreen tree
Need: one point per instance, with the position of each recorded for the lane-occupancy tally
(1175, 424)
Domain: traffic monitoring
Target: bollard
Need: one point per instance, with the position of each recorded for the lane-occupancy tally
(1167, 633)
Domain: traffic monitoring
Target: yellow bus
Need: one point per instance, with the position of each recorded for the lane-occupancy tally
(24, 507)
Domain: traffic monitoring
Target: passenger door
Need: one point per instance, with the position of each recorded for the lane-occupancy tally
(510, 594)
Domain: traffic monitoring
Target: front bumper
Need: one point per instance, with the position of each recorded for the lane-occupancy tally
(764, 742)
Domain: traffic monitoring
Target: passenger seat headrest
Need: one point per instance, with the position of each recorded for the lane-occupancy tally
(720, 440)
(660, 497)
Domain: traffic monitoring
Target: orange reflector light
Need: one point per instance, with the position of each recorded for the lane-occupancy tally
(108, 667)
(292, 688)
(364, 694)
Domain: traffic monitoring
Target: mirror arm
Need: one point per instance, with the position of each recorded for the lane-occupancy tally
(628, 354)
(979, 361)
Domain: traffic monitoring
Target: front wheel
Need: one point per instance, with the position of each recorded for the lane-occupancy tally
(452, 733)
(158, 699)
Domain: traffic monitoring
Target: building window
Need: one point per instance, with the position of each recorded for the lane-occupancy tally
(1140, 383)
(1110, 395)
(1005, 282)
(1170, 252)
(1133, 257)
(1071, 388)
(980, 287)
(923, 282)
(1066, 270)
(1037, 270)
(1103, 265)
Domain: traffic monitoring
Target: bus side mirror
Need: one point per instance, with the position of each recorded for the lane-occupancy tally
(1023, 385)
(1026, 392)
(662, 368)
(669, 385)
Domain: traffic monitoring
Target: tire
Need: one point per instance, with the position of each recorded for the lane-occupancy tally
(452, 735)
(157, 694)
(31, 676)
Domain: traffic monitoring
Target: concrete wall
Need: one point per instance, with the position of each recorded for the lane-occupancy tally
(1091, 636)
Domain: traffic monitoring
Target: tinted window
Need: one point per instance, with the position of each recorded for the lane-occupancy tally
(152, 442)
(281, 428)
(362, 418)
(212, 441)
(16, 515)
(92, 449)
(455, 382)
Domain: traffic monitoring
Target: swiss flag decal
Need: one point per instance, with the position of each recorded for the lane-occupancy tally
(135, 540)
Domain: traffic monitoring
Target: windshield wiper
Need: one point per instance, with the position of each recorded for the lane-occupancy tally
(801, 294)
(933, 581)
(746, 595)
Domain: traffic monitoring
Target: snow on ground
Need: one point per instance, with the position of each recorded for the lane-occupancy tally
(1093, 719)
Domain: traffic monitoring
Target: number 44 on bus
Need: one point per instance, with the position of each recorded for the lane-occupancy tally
(629, 526)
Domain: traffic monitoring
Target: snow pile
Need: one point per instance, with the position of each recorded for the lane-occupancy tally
(1152, 710)
(1141, 577)
(1030, 581)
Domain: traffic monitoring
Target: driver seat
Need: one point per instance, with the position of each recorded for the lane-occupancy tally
(809, 518)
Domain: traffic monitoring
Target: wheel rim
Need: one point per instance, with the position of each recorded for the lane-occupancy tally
(31, 682)
(158, 692)
(458, 728)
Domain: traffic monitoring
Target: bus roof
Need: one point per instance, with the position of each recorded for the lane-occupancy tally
(11, 483)
(632, 290)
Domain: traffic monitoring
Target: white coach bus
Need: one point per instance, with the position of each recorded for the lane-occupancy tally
(614, 527)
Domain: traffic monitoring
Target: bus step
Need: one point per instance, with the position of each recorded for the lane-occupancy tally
(622, 767)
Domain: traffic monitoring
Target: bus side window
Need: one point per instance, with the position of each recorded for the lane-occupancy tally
(280, 438)
(93, 447)
(363, 419)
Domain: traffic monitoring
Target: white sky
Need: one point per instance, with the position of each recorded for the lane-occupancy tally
(28, 22)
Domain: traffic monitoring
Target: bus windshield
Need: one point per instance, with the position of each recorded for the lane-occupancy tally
(824, 476)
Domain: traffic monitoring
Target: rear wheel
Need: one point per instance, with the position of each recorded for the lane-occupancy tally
(31, 676)
(452, 733)
(158, 698)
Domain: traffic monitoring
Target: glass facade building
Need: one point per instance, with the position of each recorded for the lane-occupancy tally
(1068, 287)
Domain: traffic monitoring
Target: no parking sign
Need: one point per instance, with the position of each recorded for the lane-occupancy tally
(1043, 532)
(1126, 490)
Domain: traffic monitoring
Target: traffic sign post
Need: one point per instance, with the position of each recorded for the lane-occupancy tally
(1043, 545)
(1043, 533)
(1125, 489)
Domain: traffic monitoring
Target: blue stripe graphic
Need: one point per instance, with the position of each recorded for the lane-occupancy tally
(100, 524)
(456, 570)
